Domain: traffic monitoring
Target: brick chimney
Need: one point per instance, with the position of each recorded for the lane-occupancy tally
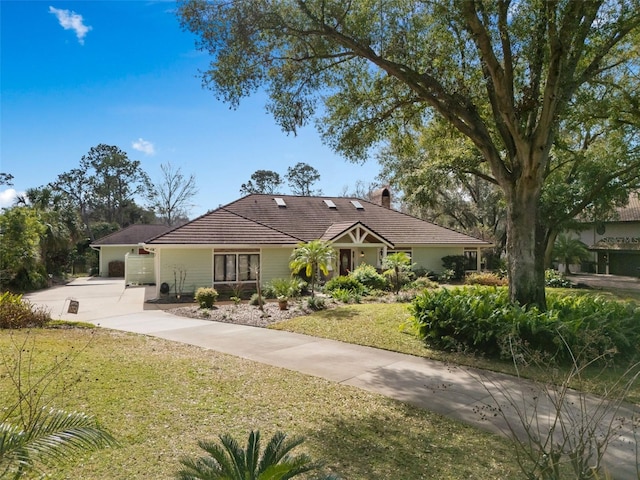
(382, 197)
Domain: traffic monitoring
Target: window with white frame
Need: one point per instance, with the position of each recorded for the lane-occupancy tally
(235, 267)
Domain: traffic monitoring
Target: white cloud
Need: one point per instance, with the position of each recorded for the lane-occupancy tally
(71, 21)
(8, 197)
(144, 146)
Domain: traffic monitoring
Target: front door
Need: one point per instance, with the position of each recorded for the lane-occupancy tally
(345, 261)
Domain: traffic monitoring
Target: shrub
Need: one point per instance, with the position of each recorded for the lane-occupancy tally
(456, 263)
(316, 303)
(28, 279)
(206, 297)
(446, 275)
(348, 283)
(419, 271)
(555, 279)
(255, 300)
(467, 318)
(346, 296)
(485, 278)
(483, 319)
(18, 313)
(369, 277)
(341, 295)
(597, 323)
(397, 266)
(422, 283)
(284, 287)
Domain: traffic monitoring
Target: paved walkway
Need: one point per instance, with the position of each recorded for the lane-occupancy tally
(471, 396)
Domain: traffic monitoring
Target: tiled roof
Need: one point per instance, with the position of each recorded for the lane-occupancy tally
(630, 213)
(224, 227)
(258, 219)
(131, 235)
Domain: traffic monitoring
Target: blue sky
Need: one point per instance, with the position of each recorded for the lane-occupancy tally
(78, 74)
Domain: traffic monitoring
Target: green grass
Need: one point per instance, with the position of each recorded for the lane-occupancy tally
(382, 325)
(159, 398)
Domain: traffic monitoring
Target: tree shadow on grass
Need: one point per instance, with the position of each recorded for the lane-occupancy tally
(339, 314)
(405, 442)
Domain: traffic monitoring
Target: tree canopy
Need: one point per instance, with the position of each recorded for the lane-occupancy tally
(505, 75)
(171, 196)
(104, 188)
(301, 177)
(262, 181)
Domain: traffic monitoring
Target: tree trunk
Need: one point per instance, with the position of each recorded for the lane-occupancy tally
(524, 263)
(550, 240)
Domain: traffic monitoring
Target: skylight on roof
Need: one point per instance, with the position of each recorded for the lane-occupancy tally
(280, 202)
(357, 204)
(330, 203)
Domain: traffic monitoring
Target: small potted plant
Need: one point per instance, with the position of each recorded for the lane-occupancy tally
(283, 302)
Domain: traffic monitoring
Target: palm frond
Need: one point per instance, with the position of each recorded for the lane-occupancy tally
(236, 454)
(252, 454)
(227, 461)
(51, 437)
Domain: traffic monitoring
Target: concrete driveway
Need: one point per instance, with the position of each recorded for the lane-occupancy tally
(98, 298)
(604, 282)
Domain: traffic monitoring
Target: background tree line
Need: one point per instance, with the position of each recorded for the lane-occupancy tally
(300, 178)
(47, 232)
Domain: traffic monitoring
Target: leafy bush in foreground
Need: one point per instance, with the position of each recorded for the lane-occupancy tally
(482, 319)
(18, 313)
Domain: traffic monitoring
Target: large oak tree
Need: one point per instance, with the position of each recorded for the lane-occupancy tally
(504, 74)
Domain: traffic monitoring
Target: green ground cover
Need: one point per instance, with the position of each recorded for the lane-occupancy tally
(158, 398)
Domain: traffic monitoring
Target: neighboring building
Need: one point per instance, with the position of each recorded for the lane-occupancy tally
(616, 243)
(259, 233)
(126, 244)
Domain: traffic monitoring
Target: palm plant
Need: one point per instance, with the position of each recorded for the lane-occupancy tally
(313, 256)
(50, 437)
(228, 461)
(397, 266)
(569, 250)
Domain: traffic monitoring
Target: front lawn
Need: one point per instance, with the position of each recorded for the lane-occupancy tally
(159, 397)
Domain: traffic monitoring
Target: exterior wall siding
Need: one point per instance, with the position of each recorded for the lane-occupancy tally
(430, 258)
(274, 263)
(612, 230)
(197, 263)
(109, 254)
